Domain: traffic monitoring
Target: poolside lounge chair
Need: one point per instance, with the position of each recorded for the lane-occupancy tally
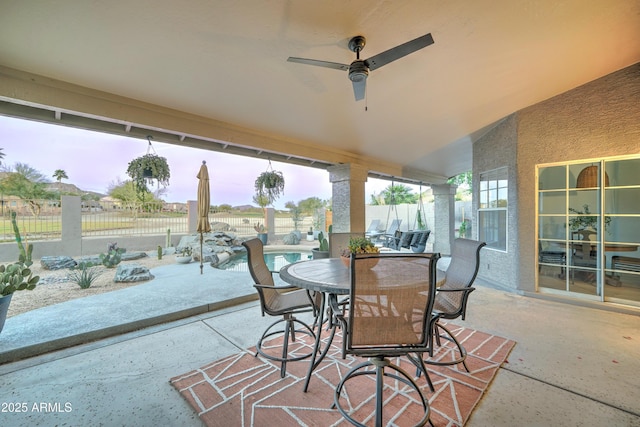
(389, 233)
(373, 228)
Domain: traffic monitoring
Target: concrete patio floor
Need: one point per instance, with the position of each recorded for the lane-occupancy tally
(571, 366)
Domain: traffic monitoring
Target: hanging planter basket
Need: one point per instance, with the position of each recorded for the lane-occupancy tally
(146, 169)
(269, 185)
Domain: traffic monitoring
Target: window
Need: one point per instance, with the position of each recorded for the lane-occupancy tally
(492, 212)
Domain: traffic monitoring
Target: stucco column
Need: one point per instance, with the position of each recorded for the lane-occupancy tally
(71, 235)
(270, 223)
(444, 217)
(192, 216)
(348, 197)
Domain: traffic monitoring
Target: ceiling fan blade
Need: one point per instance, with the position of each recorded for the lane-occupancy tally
(359, 89)
(325, 64)
(398, 52)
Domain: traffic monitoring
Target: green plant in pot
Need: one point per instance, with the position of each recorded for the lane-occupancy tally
(585, 220)
(269, 185)
(358, 245)
(14, 277)
(321, 251)
(184, 256)
(146, 169)
(262, 232)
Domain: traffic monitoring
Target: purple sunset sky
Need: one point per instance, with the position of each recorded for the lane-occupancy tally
(93, 161)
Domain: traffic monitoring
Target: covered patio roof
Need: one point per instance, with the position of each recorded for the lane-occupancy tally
(215, 74)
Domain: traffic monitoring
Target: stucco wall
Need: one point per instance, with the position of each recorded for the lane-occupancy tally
(598, 119)
(495, 150)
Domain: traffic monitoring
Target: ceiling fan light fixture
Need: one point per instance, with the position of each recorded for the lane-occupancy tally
(358, 71)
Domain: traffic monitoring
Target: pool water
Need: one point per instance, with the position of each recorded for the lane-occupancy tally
(275, 260)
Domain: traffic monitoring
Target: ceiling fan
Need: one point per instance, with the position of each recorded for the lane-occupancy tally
(359, 69)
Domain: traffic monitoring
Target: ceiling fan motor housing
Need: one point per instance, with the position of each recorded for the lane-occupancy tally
(358, 71)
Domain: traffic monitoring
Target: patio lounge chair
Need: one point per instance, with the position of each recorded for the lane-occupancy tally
(275, 302)
(388, 316)
(453, 292)
(373, 228)
(390, 233)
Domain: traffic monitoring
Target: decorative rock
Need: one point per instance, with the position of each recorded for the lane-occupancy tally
(57, 262)
(94, 259)
(132, 273)
(291, 239)
(129, 256)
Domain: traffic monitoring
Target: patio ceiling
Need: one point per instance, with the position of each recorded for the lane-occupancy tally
(226, 60)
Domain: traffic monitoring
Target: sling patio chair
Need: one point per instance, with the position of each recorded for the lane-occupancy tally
(388, 316)
(452, 295)
(373, 228)
(285, 301)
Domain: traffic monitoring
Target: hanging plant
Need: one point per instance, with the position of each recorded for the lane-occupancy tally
(269, 185)
(147, 169)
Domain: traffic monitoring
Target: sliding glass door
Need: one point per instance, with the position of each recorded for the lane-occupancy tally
(589, 229)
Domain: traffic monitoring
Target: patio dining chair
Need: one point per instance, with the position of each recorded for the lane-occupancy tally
(388, 316)
(453, 293)
(285, 301)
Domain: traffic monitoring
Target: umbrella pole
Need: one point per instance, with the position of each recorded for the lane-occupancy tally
(201, 239)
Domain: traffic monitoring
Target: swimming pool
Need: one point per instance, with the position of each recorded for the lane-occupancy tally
(275, 260)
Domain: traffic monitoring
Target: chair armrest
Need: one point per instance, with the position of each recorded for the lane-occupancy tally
(465, 290)
(259, 286)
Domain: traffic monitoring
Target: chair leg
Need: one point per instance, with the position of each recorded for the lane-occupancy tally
(288, 333)
(420, 368)
(381, 365)
(285, 347)
(450, 337)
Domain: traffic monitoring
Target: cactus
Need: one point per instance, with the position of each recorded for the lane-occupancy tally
(167, 243)
(25, 250)
(159, 252)
(112, 257)
(324, 244)
(16, 277)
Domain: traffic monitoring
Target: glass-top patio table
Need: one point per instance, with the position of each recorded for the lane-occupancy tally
(331, 278)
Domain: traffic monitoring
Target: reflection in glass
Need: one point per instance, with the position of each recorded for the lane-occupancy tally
(552, 202)
(623, 172)
(552, 178)
(552, 227)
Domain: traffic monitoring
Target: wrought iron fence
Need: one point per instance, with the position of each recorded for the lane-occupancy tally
(42, 220)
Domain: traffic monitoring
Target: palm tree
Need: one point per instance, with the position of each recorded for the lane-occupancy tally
(60, 174)
(395, 194)
(1, 155)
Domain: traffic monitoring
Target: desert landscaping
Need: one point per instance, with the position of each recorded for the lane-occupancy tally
(55, 287)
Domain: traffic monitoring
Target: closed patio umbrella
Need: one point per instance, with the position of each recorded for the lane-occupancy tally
(204, 201)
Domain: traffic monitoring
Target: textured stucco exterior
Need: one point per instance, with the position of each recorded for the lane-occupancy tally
(597, 120)
(495, 150)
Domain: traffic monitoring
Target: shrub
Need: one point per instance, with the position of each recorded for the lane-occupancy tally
(84, 274)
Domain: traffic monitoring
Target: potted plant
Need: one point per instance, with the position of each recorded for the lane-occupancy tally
(184, 256)
(321, 251)
(269, 185)
(145, 169)
(262, 232)
(310, 237)
(584, 222)
(14, 277)
(358, 245)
